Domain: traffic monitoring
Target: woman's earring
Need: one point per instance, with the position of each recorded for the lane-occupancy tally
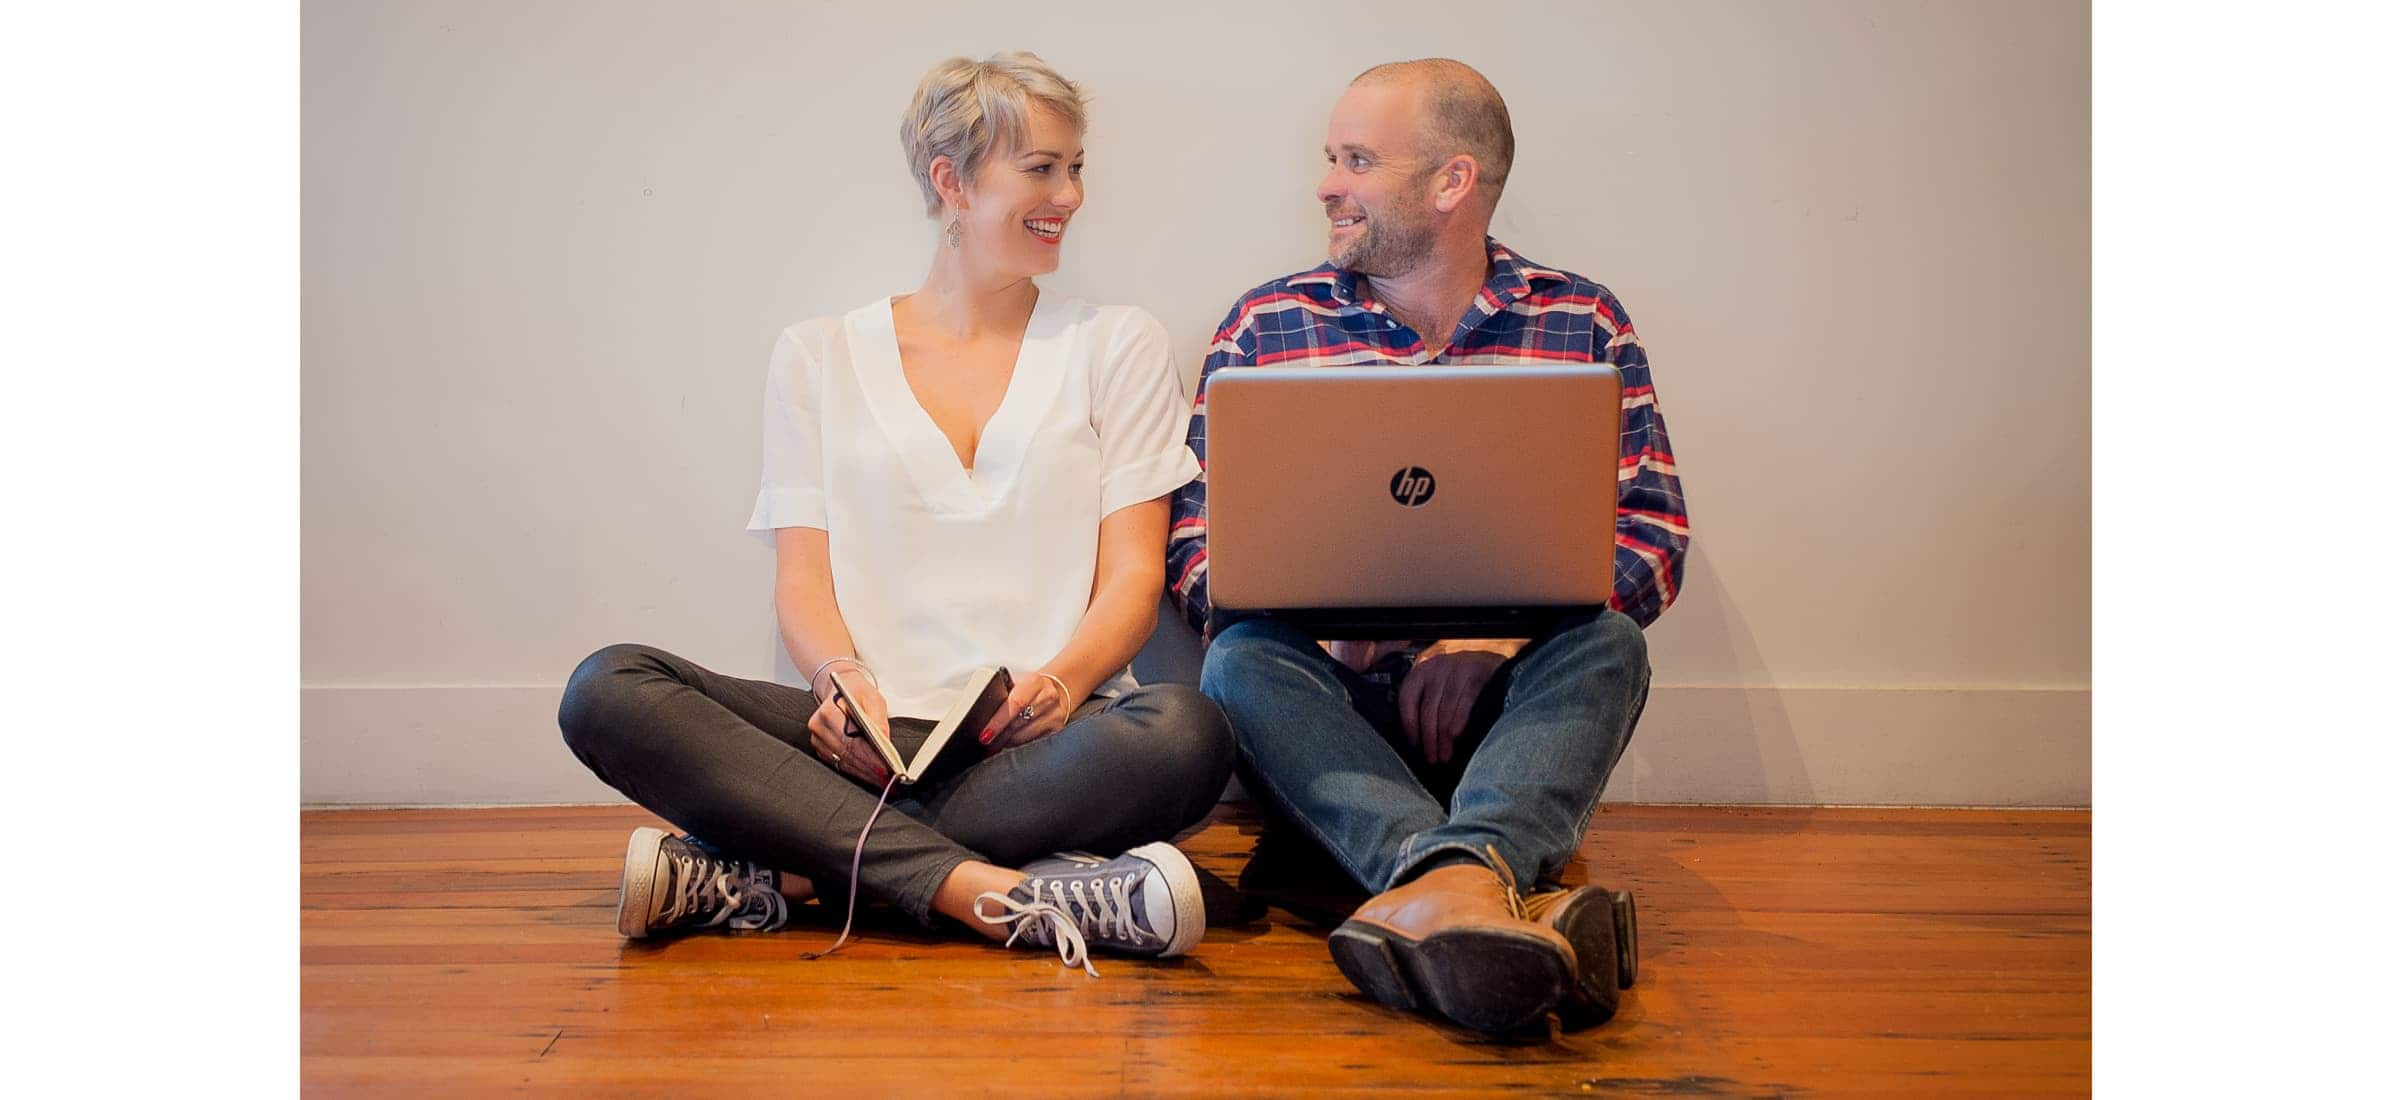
(955, 232)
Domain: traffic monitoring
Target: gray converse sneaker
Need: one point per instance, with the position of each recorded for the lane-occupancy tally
(673, 883)
(1144, 902)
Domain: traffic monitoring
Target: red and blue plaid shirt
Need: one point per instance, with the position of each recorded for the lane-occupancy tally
(1526, 314)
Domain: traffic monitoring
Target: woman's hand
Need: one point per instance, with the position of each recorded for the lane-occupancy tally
(1036, 708)
(845, 750)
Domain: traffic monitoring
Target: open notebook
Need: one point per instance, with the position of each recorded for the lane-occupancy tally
(983, 696)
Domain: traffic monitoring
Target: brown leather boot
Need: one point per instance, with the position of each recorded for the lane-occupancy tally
(1601, 927)
(1456, 941)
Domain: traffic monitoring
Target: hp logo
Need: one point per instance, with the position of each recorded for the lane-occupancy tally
(1412, 486)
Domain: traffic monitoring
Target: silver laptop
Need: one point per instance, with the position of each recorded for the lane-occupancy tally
(1430, 501)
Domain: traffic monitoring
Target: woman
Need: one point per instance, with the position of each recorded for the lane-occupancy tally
(969, 475)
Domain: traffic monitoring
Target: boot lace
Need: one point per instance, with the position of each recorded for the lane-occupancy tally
(1511, 884)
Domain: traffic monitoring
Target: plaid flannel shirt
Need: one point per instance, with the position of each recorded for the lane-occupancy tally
(1526, 314)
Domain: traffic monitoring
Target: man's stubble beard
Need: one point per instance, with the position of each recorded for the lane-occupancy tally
(1390, 249)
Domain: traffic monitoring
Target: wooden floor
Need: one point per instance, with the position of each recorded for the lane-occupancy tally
(1787, 952)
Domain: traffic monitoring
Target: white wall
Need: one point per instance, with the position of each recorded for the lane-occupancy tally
(547, 247)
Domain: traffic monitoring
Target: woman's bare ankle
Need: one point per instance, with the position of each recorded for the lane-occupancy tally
(968, 881)
(797, 888)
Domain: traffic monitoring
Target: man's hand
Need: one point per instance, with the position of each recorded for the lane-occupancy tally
(1359, 656)
(1443, 686)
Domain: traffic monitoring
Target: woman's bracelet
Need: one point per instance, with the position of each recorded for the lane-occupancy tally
(1051, 678)
(818, 670)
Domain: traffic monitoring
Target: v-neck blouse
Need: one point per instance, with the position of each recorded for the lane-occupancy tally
(937, 569)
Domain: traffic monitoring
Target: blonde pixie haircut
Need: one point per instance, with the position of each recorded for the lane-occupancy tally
(965, 109)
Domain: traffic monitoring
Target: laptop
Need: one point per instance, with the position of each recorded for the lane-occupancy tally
(1411, 502)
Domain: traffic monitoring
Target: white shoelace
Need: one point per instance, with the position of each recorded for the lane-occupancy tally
(1039, 918)
(1053, 914)
(731, 889)
(1109, 903)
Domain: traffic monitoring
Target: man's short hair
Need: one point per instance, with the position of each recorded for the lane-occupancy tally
(965, 109)
(1465, 114)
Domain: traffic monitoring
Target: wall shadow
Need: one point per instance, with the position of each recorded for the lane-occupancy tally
(1742, 736)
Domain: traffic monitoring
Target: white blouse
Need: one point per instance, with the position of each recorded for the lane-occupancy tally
(939, 569)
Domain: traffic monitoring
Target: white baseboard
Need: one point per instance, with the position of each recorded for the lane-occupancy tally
(1861, 747)
(441, 745)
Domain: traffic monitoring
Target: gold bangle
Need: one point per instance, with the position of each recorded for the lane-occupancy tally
(818, 670)
(1058, 682)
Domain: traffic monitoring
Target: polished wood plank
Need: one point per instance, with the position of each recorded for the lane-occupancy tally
(1787, 952)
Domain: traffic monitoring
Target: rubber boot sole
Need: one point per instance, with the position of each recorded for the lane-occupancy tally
(1483, 979)
(1601, 928)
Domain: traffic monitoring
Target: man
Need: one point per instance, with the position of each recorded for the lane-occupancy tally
(1444, 777)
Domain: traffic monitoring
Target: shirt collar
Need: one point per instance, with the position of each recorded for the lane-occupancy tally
(1510, 277)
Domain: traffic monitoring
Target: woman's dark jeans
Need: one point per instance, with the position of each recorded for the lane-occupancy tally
(728, 760)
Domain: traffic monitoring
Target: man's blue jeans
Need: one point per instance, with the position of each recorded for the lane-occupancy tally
(1325, 748)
